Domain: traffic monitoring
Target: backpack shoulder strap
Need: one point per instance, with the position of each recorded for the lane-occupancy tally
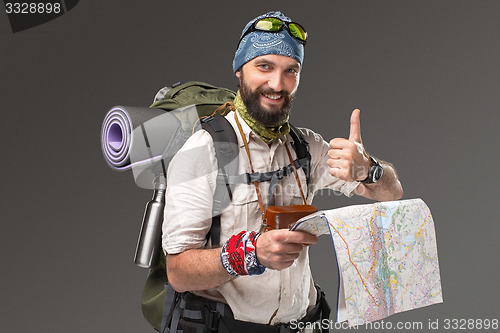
(226, 153)
(301, 148)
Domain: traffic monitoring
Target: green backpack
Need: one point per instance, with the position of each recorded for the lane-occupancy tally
(205, 96)
(207, 99)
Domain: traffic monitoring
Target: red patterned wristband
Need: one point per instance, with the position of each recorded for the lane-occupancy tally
(238, 255)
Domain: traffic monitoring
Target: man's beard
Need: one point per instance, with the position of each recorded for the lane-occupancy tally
(272, 117)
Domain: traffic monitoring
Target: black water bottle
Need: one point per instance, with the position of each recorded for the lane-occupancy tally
(149, 243)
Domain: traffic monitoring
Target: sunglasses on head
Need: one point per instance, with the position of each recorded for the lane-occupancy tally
(274, 24)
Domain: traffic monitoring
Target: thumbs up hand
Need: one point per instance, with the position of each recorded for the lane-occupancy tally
(348, 159)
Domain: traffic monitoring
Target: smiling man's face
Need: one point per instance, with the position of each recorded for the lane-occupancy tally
(267, 86)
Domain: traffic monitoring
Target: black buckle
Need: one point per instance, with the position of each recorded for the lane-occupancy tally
(280, 173)
(212, 319)
(259, 177)
(285, 328)
(253, 177)
(207, 119)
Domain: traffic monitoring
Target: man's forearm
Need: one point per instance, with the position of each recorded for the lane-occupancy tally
(197, 269)
(386, 189)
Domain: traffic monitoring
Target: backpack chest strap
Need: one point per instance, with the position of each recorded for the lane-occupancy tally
(248, 178)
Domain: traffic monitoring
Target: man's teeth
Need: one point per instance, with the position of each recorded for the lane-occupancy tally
(273, 96)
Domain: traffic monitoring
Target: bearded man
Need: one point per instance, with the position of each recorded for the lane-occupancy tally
(272, 285)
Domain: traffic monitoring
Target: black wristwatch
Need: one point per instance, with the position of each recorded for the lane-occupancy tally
(374, 173)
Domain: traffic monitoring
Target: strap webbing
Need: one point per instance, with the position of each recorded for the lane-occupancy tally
(226, 153)
(169, 313)
(301, 148)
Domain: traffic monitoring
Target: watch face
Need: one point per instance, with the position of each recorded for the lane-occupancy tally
(375, 172)
(378, 173)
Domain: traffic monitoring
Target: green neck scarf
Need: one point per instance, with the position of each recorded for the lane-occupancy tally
(266, 133)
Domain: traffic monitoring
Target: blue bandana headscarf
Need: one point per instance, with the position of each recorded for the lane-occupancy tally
(258, 43)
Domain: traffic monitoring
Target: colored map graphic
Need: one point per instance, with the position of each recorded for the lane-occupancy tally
(387, 257)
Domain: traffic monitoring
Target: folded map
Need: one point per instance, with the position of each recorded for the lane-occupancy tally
(386, 254)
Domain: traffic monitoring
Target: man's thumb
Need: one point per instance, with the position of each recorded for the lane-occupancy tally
(355, 131)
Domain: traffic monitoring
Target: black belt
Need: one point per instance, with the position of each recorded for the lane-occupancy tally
(192, 313)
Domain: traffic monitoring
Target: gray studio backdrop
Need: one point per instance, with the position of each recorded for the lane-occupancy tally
(425, 75)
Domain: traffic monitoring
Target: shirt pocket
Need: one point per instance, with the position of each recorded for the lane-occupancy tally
(244, 194)
(243, 214)
(287, 192)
